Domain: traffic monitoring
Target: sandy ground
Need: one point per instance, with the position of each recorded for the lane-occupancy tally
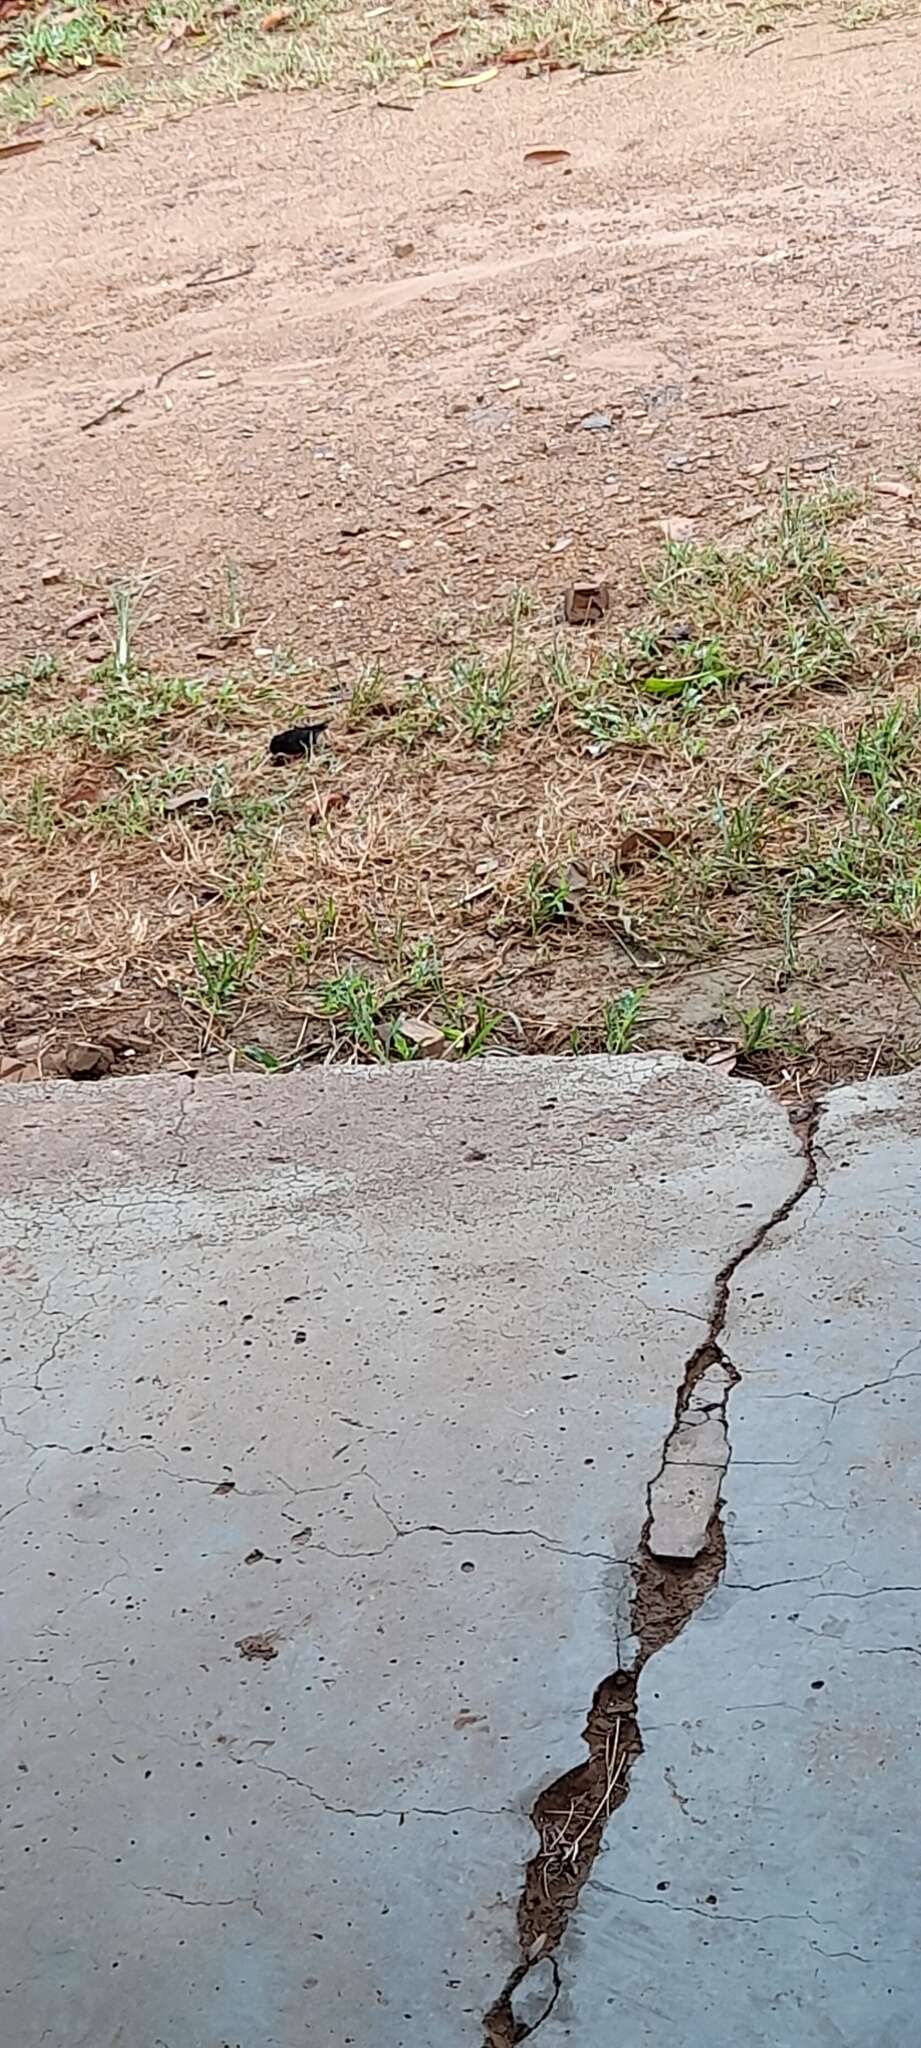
(395, 320)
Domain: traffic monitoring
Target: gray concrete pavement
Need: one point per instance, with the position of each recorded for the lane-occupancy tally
(760, 1885)
(330, 1405)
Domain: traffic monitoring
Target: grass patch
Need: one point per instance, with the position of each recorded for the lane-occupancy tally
(620, 1020)
(63, 39)
(520, 848)
(202, 50)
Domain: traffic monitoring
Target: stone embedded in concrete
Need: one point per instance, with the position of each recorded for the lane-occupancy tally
(759, 1884)
(375, 1367)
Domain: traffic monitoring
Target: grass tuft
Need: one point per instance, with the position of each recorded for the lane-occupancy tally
(488, 846)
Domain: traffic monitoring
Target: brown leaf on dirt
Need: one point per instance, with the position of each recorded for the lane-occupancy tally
(523, 53)
(277, 17)
(260, 1648)
(428, 1042)
(547, 156)
(635, 846)
(84, 617)
(336, 800)
(445, 35)
(20, 148)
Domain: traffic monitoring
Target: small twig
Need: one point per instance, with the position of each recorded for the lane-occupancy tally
(737, 412)
(198, 357)
(763, 43)
(604, 1803)
(220, 277)
(117, 405)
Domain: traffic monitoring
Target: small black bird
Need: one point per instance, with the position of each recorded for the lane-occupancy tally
(296, 742)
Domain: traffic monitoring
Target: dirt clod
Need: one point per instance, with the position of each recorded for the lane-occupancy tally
(297, 741)
(258, 1648)
(586, 603)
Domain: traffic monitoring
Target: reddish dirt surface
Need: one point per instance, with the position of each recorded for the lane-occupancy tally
(726, 265)
(353, 343)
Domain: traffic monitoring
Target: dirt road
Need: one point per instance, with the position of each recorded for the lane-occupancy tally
(352, 341)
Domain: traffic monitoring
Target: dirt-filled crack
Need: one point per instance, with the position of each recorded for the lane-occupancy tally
(570, 1816)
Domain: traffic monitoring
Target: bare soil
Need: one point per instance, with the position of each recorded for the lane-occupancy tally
(346, 348)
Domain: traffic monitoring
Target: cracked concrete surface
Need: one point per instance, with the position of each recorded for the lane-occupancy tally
(374, 1367)
(759, 1885)
(379, 1369)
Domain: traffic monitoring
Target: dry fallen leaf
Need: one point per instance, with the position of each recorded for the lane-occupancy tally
(20, 148)
(84, 617)
(892, 489)
(546, 156)
(445, 35)
(472, 78)
(426, 1039)
(278, 17)
(647, 839)
(187, 800)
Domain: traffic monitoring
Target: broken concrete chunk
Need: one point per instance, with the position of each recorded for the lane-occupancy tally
(684, 1497)
(698, 1440)
(683, 1500)
(532, 1999)
(710, 1390)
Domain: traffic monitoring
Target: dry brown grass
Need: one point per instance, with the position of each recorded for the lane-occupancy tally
(523, 846)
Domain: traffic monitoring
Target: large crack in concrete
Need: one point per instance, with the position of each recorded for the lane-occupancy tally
(680, 1558)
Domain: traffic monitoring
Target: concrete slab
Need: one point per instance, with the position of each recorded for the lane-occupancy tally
(760, 1882)
(330, 1404)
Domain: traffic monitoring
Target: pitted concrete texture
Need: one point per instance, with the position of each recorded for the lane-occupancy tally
(330, 1404)
(760, 1883)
